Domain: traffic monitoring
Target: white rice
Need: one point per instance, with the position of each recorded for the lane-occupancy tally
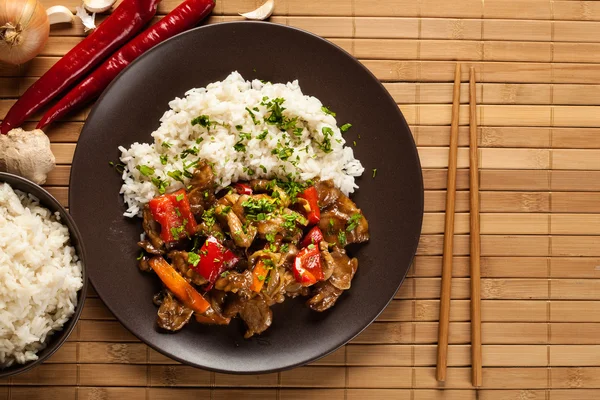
(40, 275)
(225, 103)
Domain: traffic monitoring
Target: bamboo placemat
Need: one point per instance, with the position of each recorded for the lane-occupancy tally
(538, 62)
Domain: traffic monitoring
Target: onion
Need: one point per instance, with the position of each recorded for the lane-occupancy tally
(24, 30)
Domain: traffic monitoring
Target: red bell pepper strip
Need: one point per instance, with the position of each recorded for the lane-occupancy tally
(127, 19)
(314, 236)
(179, 286)
(259, 273)
(212, 260)
(311, 196)
(307, 266)
(183, 17)
(182, 204)
(172, 211)
(242, 188)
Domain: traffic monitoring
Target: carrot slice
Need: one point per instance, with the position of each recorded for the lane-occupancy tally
(259, 273)
(179, 286)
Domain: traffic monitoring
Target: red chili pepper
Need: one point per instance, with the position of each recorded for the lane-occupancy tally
(307, 266)
(242, 188)
(172, 211)
(311, 196)
(213, 259)
(127, 19)
(183, 17)
(314, 236)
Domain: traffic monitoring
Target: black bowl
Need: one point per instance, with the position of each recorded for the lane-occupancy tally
(55, 340)
(130, 109)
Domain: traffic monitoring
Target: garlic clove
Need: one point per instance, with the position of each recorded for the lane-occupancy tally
(261, 13)
(86, 19)
(59, 15)
(98, 6)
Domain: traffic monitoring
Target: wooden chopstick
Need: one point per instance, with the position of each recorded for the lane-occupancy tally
(442, 355)
(475, 238)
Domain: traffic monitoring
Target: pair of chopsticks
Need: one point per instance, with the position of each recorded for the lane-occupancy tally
(442, 355)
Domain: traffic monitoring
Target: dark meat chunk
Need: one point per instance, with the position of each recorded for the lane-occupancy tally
(338, 218)
(343, 270)
(180, 263)
(203, 177)
(172, 315)
(210, 230)
(324, 296)
(257, 315)
(327, 261)
(202, 192)
(260, 185)
(149, 248)
(143, 264)
(255, 312)
(217, 300)
(152, 228)
(236, 229)
(236, 282)
(328, 193)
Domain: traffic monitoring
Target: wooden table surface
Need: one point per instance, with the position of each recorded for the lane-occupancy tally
(538, 62)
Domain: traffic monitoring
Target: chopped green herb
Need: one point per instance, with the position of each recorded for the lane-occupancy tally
(193, 259)
(311, 246)
(260, 278)
(252, 116)
(270, 237)
(177, 232)
(344, 128)
(328, 111)
(283, 152)
(249, 171)
(166, 145)
(145, 170)
(239, 127)
(342, 238)
(224, 274)
(177, 175)
(118, 167)
(203, 120)
(298, 132)
(177, 211)
(246, 136)
(225, 210)
(284, 248)
(163, 159)
(209, 217)
(263, 135)
(239, 146)
(325, 145)
(199, 140)
(374, 172)
(254, 207)
(140, 256)
(179, 197)
(354, 143)
(269, 263)
(192, 150)
(353, 222)
(160, 184)
(264, 169)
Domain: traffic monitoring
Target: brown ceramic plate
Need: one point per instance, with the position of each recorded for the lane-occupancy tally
(129, 110)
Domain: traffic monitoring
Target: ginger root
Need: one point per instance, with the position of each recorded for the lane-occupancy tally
(26, 154)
